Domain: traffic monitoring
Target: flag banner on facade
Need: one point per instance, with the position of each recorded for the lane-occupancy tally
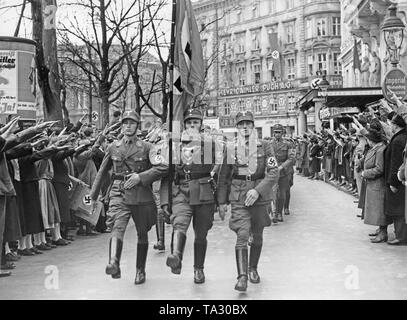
(189, 68)
(275, 50)
(356, 60)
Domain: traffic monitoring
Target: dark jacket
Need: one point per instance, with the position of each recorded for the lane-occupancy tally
(393, 159)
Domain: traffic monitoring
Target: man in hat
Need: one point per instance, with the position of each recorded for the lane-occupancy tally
(193, 194)
(130, 194)
(285, 155)
(249, 172)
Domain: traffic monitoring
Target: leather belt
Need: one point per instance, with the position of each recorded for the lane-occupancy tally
(119, 177)
(252, 177)
(192, 176)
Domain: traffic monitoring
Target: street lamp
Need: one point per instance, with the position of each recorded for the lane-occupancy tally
(393, 29)
(323, 86)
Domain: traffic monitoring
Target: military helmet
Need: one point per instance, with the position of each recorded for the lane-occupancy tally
(131, 115)
(193, 114)
(278, 128)
(244, 116)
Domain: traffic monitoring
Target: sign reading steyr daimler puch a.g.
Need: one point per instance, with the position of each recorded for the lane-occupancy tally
(395, 81)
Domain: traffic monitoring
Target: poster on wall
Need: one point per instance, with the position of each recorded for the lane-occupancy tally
(8, 82)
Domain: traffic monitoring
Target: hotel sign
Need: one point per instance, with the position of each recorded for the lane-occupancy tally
(258, 88)
(395, 81)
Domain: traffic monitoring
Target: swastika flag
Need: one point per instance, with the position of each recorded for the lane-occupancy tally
(189, 69)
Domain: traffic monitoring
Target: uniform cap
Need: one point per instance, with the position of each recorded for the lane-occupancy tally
(131, 115)
(193, 114)
(244, 116)
(278, 128)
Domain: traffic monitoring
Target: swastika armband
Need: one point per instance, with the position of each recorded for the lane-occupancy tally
(272, 162)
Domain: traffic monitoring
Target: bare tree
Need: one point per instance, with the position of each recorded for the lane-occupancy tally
(48, 83)
(93, 50)
(145, 40)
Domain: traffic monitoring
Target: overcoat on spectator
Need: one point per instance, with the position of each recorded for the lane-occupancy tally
(393, 159)
(373, 173)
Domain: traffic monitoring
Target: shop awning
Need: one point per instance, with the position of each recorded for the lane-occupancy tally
(345, 97)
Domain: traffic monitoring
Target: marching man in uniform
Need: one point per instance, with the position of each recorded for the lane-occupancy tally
(285, 155)
(194, 196)
(131, 193)
(251, 169)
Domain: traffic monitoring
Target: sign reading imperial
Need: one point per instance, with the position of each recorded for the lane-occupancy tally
(257, 88)
(395, 81)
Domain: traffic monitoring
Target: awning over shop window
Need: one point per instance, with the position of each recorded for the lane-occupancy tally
(340, 98)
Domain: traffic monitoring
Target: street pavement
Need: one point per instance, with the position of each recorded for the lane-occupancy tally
(320, 251)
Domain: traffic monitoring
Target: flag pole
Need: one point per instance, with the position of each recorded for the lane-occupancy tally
(171, 105)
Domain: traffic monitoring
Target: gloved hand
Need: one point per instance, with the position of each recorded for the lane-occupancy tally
(166, 214)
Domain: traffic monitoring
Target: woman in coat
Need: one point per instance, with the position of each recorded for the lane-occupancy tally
(373, 173)
(395, 190)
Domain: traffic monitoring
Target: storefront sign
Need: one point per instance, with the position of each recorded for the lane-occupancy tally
(227, 122)
(340, 111)
(258, 88)
(395, 81)
(17, 77)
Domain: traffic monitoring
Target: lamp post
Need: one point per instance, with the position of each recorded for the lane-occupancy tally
(393, 30)
(323, 86)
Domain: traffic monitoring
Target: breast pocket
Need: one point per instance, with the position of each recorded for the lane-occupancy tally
(205, 191)
(117, 163)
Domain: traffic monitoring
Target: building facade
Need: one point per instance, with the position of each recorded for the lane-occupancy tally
(263, 56)
(365, 62)
(78, 97)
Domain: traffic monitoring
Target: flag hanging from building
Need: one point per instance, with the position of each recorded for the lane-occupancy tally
(276, 58)
(189, 68)
(356, 60)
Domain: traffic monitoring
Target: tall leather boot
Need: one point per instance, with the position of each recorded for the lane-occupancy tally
(142, 249)
(241, 263)
(275, 218)
(174, 260)
(199, 260)
(115, 252)
(255, 252)
(160, 228)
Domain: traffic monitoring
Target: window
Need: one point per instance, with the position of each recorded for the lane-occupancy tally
(273, 104)
(255, 10)
(225, 76)
(289, 4)
(204, 48)
(291, 102)
(336, 26)
(272, 6)
(259, 133)
(321, 27)
(256, 40)
(226, 108)
(257, 106)
(310, 60)
(241, 106)
(290, 32)
(322, 64)
(240, 40)
(239, 15)
(308, 29)
(241, 73)
(257, 73)
(291, 68)
(337, 64)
